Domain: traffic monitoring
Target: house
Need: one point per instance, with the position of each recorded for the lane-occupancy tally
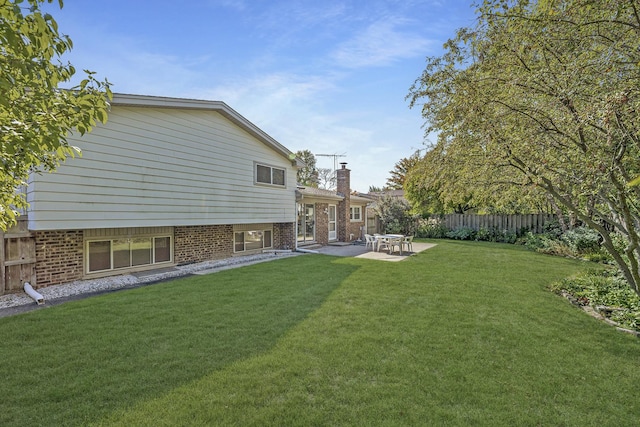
(166, 181)
(326, 216)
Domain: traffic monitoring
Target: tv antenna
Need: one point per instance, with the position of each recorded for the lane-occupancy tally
(335, 158)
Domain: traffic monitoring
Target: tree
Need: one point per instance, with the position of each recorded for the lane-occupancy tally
(433, 186)
(326, 178)
(440, 183)
(307, 175)
(546, 96)
(400, 170)
(395, 215)
(35, 115)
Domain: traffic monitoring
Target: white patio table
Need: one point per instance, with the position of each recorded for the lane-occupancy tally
(389, 240)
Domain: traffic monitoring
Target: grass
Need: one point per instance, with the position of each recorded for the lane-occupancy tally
(462, 334)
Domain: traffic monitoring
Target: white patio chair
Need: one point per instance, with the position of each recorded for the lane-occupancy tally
(381, 241)
(369, 241)
(408, 242)
(393, 242)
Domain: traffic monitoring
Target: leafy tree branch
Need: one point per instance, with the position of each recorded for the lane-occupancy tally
(35, 114)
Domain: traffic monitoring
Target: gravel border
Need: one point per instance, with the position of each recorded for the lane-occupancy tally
(19, 302)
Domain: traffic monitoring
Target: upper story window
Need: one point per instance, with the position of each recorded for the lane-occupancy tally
(270, 175)
(355, 213)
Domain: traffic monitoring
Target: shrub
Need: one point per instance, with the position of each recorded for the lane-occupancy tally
(556, 247)
(605, 288)
(600, 256)
(431, 229)
(509, 237)
(494, 234)
(546, 244)
(582, 240)
(395, 216)
(486, 234)
(531, 241)
(462, 233)
(553, 229)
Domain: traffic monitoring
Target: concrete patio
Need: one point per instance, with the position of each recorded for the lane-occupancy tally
(360, 251)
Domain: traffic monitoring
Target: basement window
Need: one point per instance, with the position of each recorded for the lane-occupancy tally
(252, 240)
(124, 253)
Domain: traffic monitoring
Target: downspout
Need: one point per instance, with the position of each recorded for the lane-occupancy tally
(37, 297)
(295, 235)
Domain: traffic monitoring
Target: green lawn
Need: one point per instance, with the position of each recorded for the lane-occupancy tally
(461, 334)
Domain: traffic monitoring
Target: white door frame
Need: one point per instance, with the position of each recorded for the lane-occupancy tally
(333, 235)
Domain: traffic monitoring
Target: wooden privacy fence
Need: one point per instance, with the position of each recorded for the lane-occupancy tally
(515, 223)
(17, 258)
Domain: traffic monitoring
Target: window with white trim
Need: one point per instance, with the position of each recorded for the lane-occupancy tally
(251, 240)
(271, 175)
(355, 213)
(122, 253)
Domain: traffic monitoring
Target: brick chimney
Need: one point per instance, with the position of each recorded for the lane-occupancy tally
(343, 188)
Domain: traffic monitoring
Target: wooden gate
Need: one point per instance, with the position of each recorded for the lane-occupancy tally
(373, 223)
(17, 258)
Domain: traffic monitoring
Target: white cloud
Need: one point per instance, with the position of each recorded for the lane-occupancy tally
(381, 43)
(302, 16)
(271, 94)
(239, 5)
(133, 69)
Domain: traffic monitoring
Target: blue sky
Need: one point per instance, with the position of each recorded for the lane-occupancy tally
(330, 76)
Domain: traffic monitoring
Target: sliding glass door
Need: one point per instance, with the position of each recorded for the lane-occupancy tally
(306, 223)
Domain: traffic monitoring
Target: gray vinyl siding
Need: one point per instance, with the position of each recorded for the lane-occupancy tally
(150, 167)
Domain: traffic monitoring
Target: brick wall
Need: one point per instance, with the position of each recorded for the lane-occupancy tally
(59, 254)
(58, 257)
(202, 243)
(322, 223)
(284, 235)
(343, 187)
(355, 229)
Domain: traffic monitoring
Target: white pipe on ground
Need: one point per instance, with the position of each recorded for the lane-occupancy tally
(306, 251)
(37, 297)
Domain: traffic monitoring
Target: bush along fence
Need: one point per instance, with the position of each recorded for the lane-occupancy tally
(512, 223)
(493, 228)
